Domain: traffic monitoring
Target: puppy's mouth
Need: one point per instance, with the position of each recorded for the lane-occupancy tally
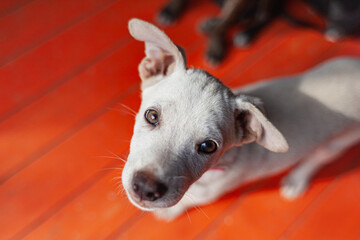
(140, 203)
(148, 205)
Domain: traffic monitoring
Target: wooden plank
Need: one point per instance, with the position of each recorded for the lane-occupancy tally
(33, 75)
(93, 215)
(242, 57)
(103, 206)
(185, 31)
(115, 219)
(349, 47)
(22, 155)
(296, 54)
(9, 6)
(186, 226)
(53, 118)
(97, 73)
(56, 178)
(25, 29)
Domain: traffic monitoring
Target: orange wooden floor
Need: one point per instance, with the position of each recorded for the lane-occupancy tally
(68, 69)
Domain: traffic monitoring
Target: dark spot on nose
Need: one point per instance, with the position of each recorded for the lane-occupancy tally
(147, 187)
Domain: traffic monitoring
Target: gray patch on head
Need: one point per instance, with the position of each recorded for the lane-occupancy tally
(220, 95)
(185, 164)
(211, 81)
(185, 168)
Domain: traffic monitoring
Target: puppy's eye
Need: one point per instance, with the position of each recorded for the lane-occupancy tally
(207, 147)
(152, 116)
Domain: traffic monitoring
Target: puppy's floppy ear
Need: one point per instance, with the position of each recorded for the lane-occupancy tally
(252, 125)
(162, 58)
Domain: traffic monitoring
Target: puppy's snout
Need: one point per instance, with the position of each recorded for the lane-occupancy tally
(147, 187)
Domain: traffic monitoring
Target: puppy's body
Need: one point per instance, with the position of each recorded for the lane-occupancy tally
(173, 163)
(309, 110)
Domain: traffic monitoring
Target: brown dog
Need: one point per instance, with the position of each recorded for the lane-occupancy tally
(342, 17)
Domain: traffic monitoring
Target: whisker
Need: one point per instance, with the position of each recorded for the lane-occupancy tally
(109, 169)
(188, 195)
(122, 111)
(117, 156)
(201, 210)
(116, 178)
(120, 192)
(114, 154)
(125, 109)
(120, 188)
(198, 208)
(117, 185)
(188, 215)
(129, 108)
(186, 211)
(111, 157)
(114, 168)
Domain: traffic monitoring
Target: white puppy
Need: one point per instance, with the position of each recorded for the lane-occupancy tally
(195, 136)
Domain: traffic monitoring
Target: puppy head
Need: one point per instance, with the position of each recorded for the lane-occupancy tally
(187, 120)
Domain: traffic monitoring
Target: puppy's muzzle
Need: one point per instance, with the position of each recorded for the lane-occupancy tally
(147, 187)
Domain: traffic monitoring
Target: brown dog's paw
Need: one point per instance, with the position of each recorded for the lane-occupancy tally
(242, 40)
(333, 35)
(217, 49)
(166, 17)
(170, 13)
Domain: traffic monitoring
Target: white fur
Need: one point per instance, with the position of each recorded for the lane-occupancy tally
(312, 113)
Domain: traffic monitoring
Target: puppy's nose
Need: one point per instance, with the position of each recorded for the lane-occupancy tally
(147, 187)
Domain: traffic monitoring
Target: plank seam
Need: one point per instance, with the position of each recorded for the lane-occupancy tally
(67, 134)
(122, 228)
(68, 76)
(218, 220)
(14, 8)
(55, 33)
(86, 185)
(319, 198)
(253, 59)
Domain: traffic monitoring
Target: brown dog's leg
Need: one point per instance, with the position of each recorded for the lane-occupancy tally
(217, 27)
(171, 12)
(266, 11)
